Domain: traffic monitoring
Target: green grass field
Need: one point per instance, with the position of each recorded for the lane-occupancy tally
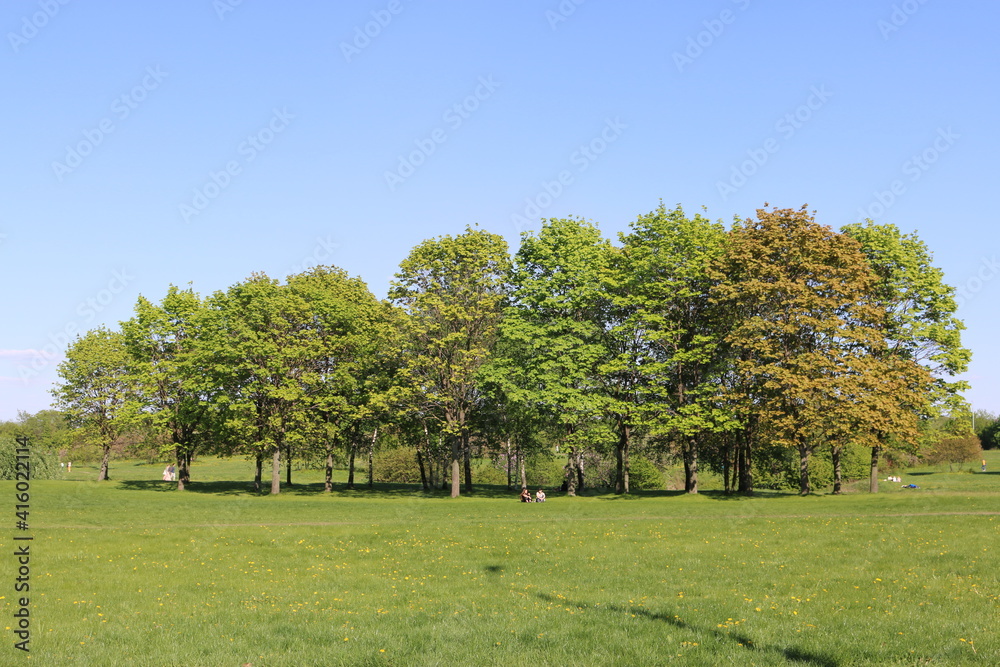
(129, 572)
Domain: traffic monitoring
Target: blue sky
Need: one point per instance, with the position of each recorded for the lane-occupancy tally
(199, 141)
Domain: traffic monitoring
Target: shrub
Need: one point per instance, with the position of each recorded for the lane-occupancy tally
(43, 465)
(396, 466)
(643, 475)
(486, 472)
(854, 464)
(543, 471)
(990, 436)
(958, 450)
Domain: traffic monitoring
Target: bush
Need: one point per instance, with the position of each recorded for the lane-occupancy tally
(543, 471)
(774, 468)
(958, 450)
(855, 464)
(485, 472)
(396, 466)
(43, 465)
(643, 475)
(990, 436)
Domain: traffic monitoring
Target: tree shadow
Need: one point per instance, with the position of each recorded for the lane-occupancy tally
(378, 490)
(790, 653)
(758, 494)
(219, 488)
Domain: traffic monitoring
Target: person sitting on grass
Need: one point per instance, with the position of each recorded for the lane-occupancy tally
(525, 495)
(540, 496)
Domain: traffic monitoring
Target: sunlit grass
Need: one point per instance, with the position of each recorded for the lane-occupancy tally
(132, 573)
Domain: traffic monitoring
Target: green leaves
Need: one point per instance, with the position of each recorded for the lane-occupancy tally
(920, 321)
(453, 291)
(98, 392)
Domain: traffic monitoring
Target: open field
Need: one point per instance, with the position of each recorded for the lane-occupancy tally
(129, 572)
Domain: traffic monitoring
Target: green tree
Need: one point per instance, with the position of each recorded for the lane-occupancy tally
(920, 324)
(664, 284)
(988, 430)
(453, 291)
(161, 339)
(47, 429)
(257, 347)
(47, 433)
(356, 357)
(97, 391)
(553, 332)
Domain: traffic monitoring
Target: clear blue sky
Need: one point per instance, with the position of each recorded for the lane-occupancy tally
(117, 116)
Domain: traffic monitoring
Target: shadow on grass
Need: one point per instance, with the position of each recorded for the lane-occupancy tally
(385, 490)
(791, 653)
(379, 490)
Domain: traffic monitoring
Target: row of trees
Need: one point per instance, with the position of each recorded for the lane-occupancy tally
(704, 340)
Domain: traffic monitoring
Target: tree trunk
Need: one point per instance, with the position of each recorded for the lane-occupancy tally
(183, 458)
(420, 459)
(456, 465)
(579, 470)
(621, 478)
(423, 473)
(804, 489)
(835, 451)
(691, 466)
(873, 474)
(521, 470)
(432, 469)
(727, 483)
(288, 465)
(105, 458)
(328, 480)
(258, 476)
(181, 466)
(571, 472)
(743, 455)
(687, 469)
(276, 470)
(467, 455)
(350, 464)
(371, 459)
(510, 477)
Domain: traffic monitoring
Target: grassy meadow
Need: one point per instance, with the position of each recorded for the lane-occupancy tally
(131, 572)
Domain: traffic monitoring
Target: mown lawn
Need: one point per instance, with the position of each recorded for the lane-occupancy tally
(132, 573)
